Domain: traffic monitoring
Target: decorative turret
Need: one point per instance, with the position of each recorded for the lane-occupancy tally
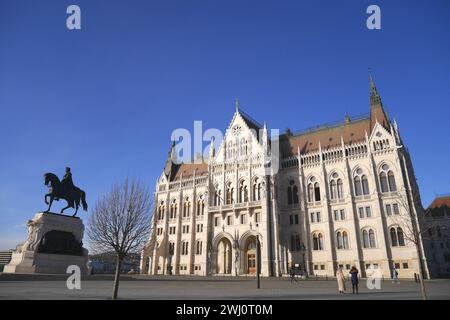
(265, 139)
(212, 151)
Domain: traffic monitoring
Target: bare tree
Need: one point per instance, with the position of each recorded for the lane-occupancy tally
(415, 225)
(120, 222)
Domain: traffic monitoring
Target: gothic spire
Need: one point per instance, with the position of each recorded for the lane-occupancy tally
(375, 98)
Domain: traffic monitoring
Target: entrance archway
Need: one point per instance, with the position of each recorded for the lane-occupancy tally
(250, 255)
(224, 256)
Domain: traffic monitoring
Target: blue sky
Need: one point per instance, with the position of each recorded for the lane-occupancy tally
(104, 100)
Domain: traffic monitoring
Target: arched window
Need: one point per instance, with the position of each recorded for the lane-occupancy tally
(198, 247)
(230, 150)
(316, 192)
(366, 243)
(292, 193)
(313, 190)
(391, 181)
(345, 239)
(365, 185)
(295, 242)
(217, 196)
(358, 186)
(333, 190)
(372, 242)
(400, 237)
(171, 248)
(160, 215)
(387, 179)
(230, 191)
(310, 193)
(336, 188)
(369, 240)
(243, 147)
(340, 241)
(184, 248)
(186, 208)
(201, 206)
(394, 241)
(320, 241)
(173, 209)
(340, 189)
(243, 192)
(256, 191)
(360, 183)
(317, 241)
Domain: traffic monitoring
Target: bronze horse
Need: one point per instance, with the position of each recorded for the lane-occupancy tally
(73, 196)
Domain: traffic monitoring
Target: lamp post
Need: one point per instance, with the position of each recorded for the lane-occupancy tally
(236, 251)
(258, 265)
(303, 249)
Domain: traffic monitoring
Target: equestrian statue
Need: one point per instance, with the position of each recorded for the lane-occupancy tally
(64, 189)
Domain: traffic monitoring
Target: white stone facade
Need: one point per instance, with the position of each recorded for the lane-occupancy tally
(343, 195)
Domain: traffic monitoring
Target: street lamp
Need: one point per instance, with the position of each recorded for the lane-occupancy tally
(258, 257)
(303, 250)
(236, 251)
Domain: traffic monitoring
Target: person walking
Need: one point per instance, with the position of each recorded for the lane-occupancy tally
(354, 277)
(395, 276)
(340, 280)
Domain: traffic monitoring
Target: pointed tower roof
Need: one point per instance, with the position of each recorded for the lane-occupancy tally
(377, 113)
(169, 163)
(374, 95)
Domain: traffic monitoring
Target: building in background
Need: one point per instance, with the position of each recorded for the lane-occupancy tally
(345, 194)
(437, 242)
(106, 263)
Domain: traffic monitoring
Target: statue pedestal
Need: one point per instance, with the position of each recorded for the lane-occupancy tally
(54, 242)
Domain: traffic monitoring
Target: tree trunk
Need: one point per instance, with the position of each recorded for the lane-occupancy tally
(116, 277)
(421, 272)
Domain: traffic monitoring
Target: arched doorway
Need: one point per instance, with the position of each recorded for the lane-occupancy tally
(250, 255)
(224, 256)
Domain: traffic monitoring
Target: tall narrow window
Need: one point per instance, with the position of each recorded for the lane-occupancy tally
(316, 192)
(320, 241)
(387, 179)
(360, 182)
(345, 239)
(400, 237)
(372, 238)
(340, 241)
(289, 195)
(333, 191)
(394, 241)
(366, 241)
(358, 186)
(311, 191)
(340, 189)
(295, 194)
(391, 181)
(365, 185)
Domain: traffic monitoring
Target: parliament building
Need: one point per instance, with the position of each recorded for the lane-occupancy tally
(339, 195)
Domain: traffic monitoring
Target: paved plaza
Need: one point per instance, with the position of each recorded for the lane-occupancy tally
(178, 287)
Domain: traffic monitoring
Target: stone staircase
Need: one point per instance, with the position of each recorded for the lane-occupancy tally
(5, 258)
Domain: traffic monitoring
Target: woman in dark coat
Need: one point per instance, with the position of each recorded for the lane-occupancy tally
(355, 280)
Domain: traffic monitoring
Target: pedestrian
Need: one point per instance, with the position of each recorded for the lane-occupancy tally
(395, 276)
(355, 280)
(340, 280)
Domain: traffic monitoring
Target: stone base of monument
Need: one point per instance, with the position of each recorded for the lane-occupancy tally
(54, 243)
